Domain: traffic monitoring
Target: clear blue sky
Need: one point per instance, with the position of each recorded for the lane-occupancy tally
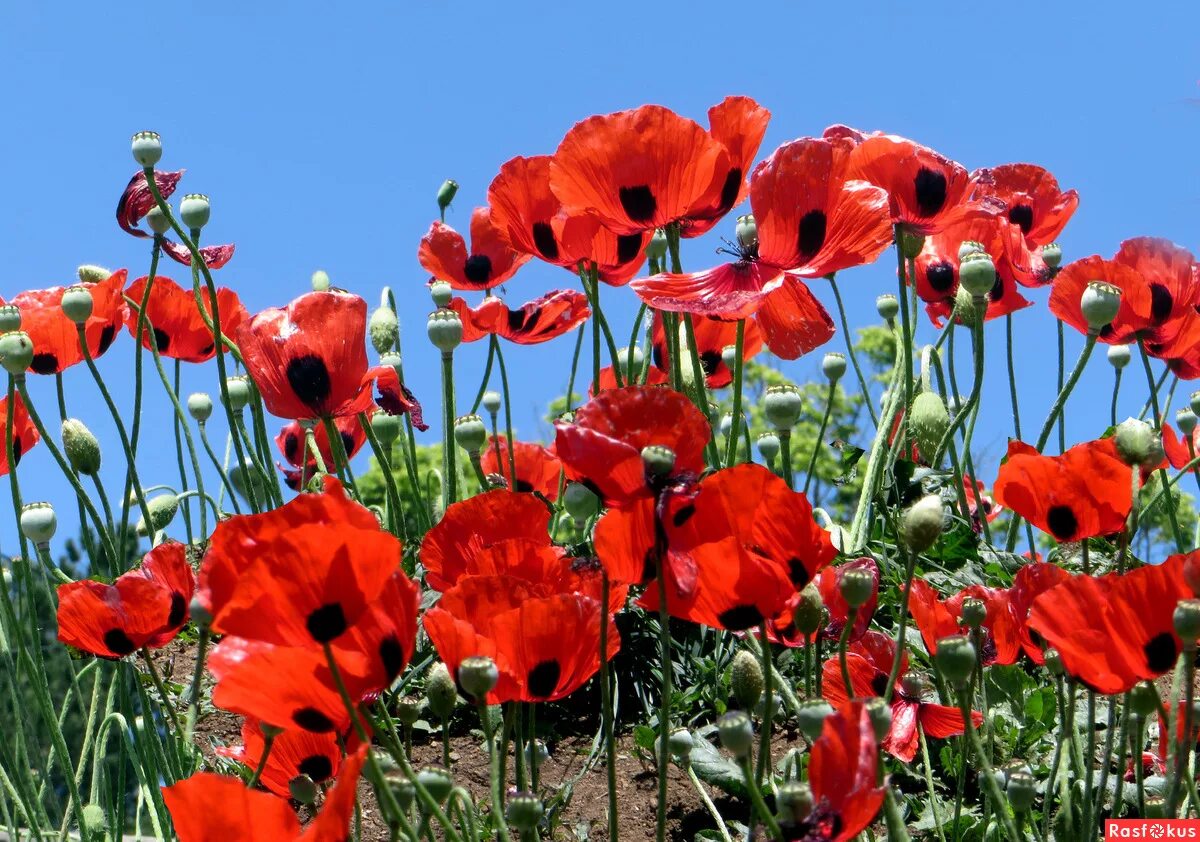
(323, 130)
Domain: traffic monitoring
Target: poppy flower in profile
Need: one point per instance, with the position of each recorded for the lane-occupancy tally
(540, 320)
(137, 200)
(55, 338)
(1033, 201)
(1116, 630)
(938, 618)
(712, 337)
(293, 753)
(309, 360)
(290, 442)
(24, 435)
(173, 321)
(828, 583)
(213, 808)
(143, 609)
(490, 261)
(1084, 493)
(538, 469)
(1031, 581)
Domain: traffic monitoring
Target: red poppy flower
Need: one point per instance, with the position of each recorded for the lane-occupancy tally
(979, 502)
(828, 583)
(1084, 493)
(293, 753)
(137, 200)
(712, 337)
(174, 323)
(144, 608)
(490, 262)
(1033, 201)
(1152, 764)
(654, 377)
(937, 618)
(1116, 630)
(1031, 581)
(55, 338)
(538, 469)
(290, 442)
(309, 360)
(1177, 449)
(24, 436)
(211, 808)
(214, 257)
(540, 320)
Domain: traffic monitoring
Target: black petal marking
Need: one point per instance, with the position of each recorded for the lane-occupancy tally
(543, 239)
(811, 234)
(309, 378)
(930, 186)
(311, 719)
(638, 202)
(740, 618)
(543, 679)
(1062, 522)
(478, 269)
(327, 622)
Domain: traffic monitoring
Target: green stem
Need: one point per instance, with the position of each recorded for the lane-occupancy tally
(449, 481)
(846, 334)
(1012, 376)
(927, 770)
(768, 717)
(736, 420)
(485, 720)
(998, 797)
(756, 798)
(268, 743)
(812, 460)
(664, 708)
(606, 710)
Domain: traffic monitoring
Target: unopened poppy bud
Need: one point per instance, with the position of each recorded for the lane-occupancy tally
(81, 447)
(524, 811)
(955, 659)
(856, 585)
(38, 522)
(726, 424)
(1118, 356)
(967, 307)
(1052, 255)
(441, 293)
(470, 433)
(440, 691)
(1054, 662)
(478, 676)
(162, 511)
(536, 751)
(157, 221)
(1185, 420)
(974, 612)
(880, 713)
(199, 613)
(580, 502)
(969, 247)
(768, 447)
(930, 421)
(94, 819)
(736, 732)
(887, 306)
(146, 148)
(811, 716)
(809, 613)
(408, 710)
(437, 781)
(446, 193)
(89, 274)
(491, 402)
(680, 744)
(386, 427)
(656, 249)
(729, 356)
(10, 318)
(320, 281)
(77, 304)
(1138, 444)
(16, 352)
(782, 405)
(303, 789)
(922, 523)
(795, 801)
(659, 461)
(200, 406)
(910, 243)
(1187, 621)
(977, 273)
(445, 330)
(747, 231)
(833, 366)
(746, 679)
(384, 329)
(1156, 807)
(194, 211)
(238, 392)
(1100, 304)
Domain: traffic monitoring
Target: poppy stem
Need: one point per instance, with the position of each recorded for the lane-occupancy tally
(1062, 416)
(574, 367)
(1156, 422)
(812, 460)
(998, 797)
(768, 716)
(785, 461)
(508, 427)
(449, 470)
(1102, 789)
(1116, 391)
(1185, 740)
(927, 769)
(910, 568)
(587, 289)
(664, 707)
(487, 377)
(194, 689)
(756, 798)
(164, 698)
(1012, 375)
(395, 508)
(217, 464)
(843, 643)
(268, 744)
(906, 346)
(706, 800)
(606, 707)
(891, 813)
(850, 352)
(1139, 772)
(497, 787)
(736, 418)
(598, 316)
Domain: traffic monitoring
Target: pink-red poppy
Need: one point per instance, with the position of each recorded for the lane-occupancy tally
(540, 320)
(489, 262)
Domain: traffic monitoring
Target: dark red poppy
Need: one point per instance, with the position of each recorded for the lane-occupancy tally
(1031, 581)
(538, 469)
(293, 753)
(173, 320)
(212, 808)
(137, 200)
(214, 257)
(24, 435)
(144, 608)
(1084, 493)
(1033, 201)
(979, 502)
(540, 320)
(1116, 630)
(938, 618)
(828, 584)
(1177, 449)
(490, 262)
(309, 360)
(290, 442)
(712, 337)
(55, 338)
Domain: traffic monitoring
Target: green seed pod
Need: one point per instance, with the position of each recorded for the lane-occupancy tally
(10, 318)
(746, 679)
(580, 502)
(200, 406)
(446, 193)
(94, 818)
(680, 744)
(736, 732)
(955, 659)
(887, 306)
(910, 243)
(922, 523)
(968, 247)
(89, 274)
(491, 402)
(1021, 790)
(38, 522)
(199, 613)
(238, 391)
(16, 352)
(384, 329)
(157, 221)
(386, 427)
(470, 433)
(1054, 663)
(524, 811)
(656, 249)
(1138, 444)
(782, 405)
(445, 330)
(930, 421)
(303, 789)
(768, 447)
(408, 710)
(162, 511)
(81, 447)
(478, 675)
(77, 304)
(1118, 356)
(1187, 620)
(659, 461)
(809, 613)
(977, 273)
(441, 293)
(437, 781)
(320, 281)
(1185, 420)
(811, 716)
(146, 148)
(194, 211)
(974, 612)
(913, 685)
(746, 231)
(856, 586)
(1052, 255)
(440, 692)
(1100, 304)
(833, 366)
(795, 801)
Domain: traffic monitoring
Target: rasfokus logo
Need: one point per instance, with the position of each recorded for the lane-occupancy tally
(1152, 829)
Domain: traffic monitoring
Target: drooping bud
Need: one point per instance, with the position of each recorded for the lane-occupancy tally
(782, 405)
(1187, 621)
(157, 221)
(656, 249)
(833, 366)
(1100, 304)
(795, 801)
(580, 502)
(746, 679)
(1138, 444)
(930, 421)
(726, 424)
(320, 281)
(491, 402)
(146, 148)
(747, 231)
(89, 274)
(437, 781)
(478, 676)
(81, 447)
(809, 613)
(384, 329)
(303, 789)
(446, 193)
(922, 523)
(386, 427)
(445, 330)
(524, 811)
(974, 612)
(659, 461)
(16, 352)
(1118, 356)
(38, 522)
(441, 293)
(768, 447)
(856, 585)
(736, 732)
(77, 304)
(1052, 255)
(200, 406)
(440, 691)
(811, 716)
(194, 211)
(162, 511)
(955, 659)
(977, 273)
(470, 433)
(880, 713)
(238, 392)
(887, 306)
(10, 318)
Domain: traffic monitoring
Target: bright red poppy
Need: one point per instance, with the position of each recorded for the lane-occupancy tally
(1116, 630)
(309, 360)
(538, 469)
(1084, 493)
(55, 338)
(290, 442)
(293, 753)
(1031, 581)
(1179, 452)
(655, 376)
(937, 618)
(490, 261)
(137, 200)
(540, 320)
(212, 808)
(1033, 201)
(143, 609)
(712, 337)
(828, 583)
(174, 323)
(24, 434)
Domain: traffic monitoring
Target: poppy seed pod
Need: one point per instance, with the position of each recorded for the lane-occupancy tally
(880, 713)
(795, 801)
(580, 502)
(470, 433)
(246, 476)
(1187, 621)
(887, 306)
(146, 148)
(729, 355)
(157, 220)
(194, 211)
(1185, 420)
(446, 193)
(726, 424)
(809, 612)
(386, 427)
(237, 391)
(440, 691)
(38, 522)
(77, 304)
(768, 447)
(536, 752)
(524, 811)
(10, 318)
(16, 352)
(89, 274)
(445, 330)
(736, 732)
(955, 659)
(656, 249)
(746, 231)
(1156, 807)
(977, 273)
(384, 329)
(1052, 255)
(680, 744)
(320, 281)
(630, 358)
(974, 612)
(811, 716)
(922, 523)
(659, 461)
(1100, 304)
(856, 585)
(441, 293)
(930, 421)
(910, 243)
(303, 789)
(491, 402)
(746, 679)
(969, 247)
(782, 405)
(408, 710)
(1118, 356)
(478, 676)
(81, 447)
(162, 511)
(1054, 662)
(437, 781)
(1138, 444)
(833, 366)
(199, 613)
(200, 406)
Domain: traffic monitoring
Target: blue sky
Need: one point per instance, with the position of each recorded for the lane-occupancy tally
(322, 132)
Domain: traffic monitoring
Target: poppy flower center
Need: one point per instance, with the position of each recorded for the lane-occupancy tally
(543, 238)
(542, 680)
(930, 186)
(318, 767)
(1062, 522)
(478, 268)
(811, 234)
(309, 378)
(1161, 652)
(326, 623)
(940, 276)
(311, 719)
(740, 618)
(118, 642)
(638, 202)
(178, 610)
(1022, 217)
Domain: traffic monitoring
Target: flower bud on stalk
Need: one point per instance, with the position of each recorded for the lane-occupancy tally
(809, 613)
(922, 524)
(16, 352)
(81, 447)
(659, 461)
(491, 402)
(386, 428)
(523, 811)
(437, 781)
(887, 306)
(1138, 444)
(795, 801)
(746, 679)
(89, 274)
(1054, 663)
(446, 194)
(194, 211)
(478, 676)
(408, 710)
(320, 281)
(811, 716)
(680, 744)
(833, 366)
(910, 243)
(1118, 356)
(303, 789)
(441, 293)
(384, 329)
(440, 691)
(768, 448)
(1185, 420)
(38, 522)
(729, 356)
(470, 433)
(930, 421)
(747, 231)
(77, 304)
(162, 511)
(200, 406)
(956, 659)
(782, 405)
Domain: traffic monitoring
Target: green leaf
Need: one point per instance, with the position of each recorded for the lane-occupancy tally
(716, 769)
(645, 736)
